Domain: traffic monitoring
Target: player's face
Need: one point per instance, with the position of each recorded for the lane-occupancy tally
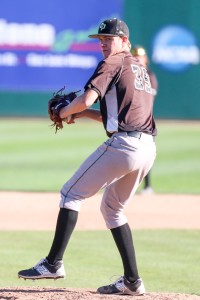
(110, 45)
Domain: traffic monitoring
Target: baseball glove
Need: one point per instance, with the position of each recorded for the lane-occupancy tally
(56, 103)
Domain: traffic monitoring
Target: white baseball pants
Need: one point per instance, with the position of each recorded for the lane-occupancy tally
(118, 165)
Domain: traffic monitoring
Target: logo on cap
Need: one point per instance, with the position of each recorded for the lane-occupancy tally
(102, 26)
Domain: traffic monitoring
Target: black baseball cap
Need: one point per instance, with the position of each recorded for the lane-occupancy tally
(112, 27)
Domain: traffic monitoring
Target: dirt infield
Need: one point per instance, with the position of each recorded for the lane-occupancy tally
(38, 211)
(149, 211)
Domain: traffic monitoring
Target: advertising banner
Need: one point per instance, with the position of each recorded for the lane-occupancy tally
(44, 44)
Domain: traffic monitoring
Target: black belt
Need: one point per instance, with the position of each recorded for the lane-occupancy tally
(135, 134)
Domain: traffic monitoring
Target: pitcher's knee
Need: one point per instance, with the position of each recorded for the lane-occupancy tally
(113, 218)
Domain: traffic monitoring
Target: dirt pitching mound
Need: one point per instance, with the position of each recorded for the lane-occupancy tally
(33, 293)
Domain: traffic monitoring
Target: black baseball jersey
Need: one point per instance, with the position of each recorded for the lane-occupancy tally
(125, 94)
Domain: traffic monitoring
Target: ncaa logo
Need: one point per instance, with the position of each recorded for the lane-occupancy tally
(175, 48)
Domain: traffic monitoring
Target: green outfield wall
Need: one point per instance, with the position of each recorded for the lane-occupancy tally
(25, 104)
(178, 70)
(22, 104)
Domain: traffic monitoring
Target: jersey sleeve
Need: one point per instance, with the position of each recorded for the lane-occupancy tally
(103, 77)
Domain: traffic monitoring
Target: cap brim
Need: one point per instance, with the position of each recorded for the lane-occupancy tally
(96, 36)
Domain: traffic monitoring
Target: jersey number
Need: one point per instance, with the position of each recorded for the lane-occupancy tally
(142, 81)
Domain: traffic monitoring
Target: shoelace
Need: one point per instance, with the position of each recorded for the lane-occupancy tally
(119, 283)
(39, 263)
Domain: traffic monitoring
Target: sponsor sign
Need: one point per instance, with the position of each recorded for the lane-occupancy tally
(175, 48)
(42, 51)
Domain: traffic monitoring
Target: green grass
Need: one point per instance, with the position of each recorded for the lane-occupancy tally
(33, 158)
(177, 167)
(168, 260)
